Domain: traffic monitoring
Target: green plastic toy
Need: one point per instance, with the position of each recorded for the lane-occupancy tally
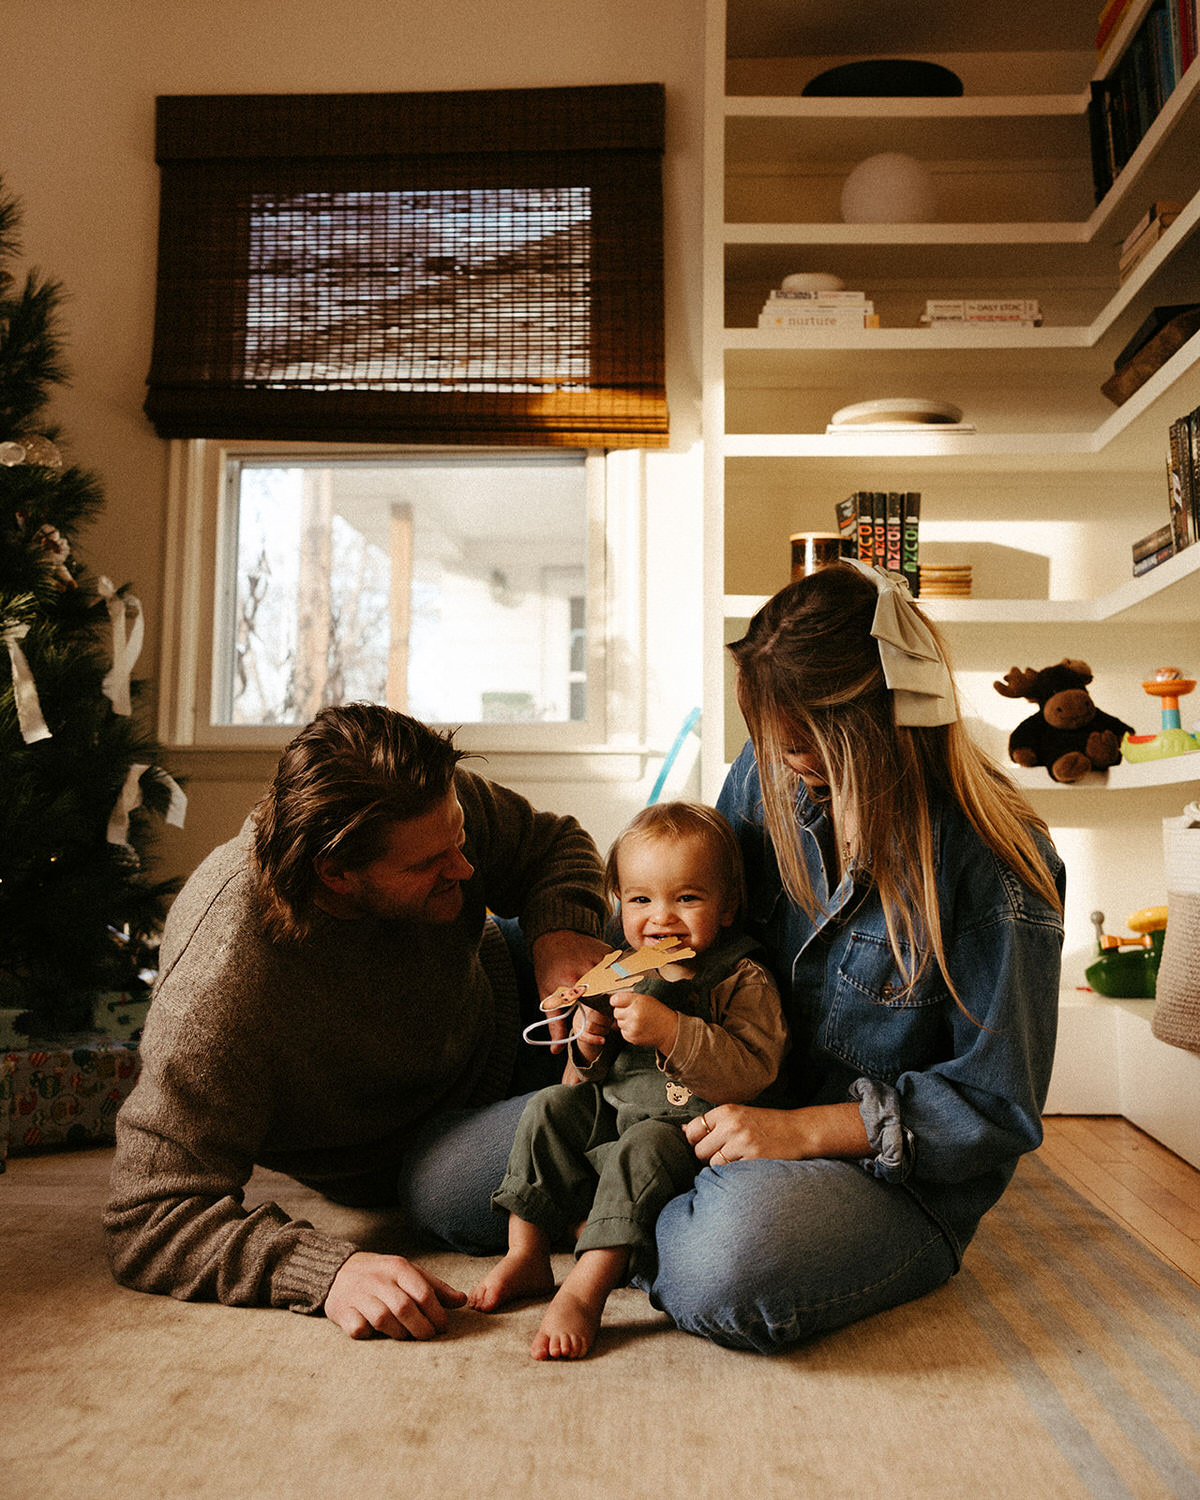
(1133, 974)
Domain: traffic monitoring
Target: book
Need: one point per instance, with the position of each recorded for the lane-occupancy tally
(1107, 22)
(1152, 324)
(1192, 489)
(820, 299)
(1025, 310)
(1153, 354)
(879, 514)
(1159, 209)
(822, 317)
(865, 529)
(1154, 541)
(909, 536)
(847, 521)
(892, 542)
(1130, 259)
(1146, 563)
(1179, 462)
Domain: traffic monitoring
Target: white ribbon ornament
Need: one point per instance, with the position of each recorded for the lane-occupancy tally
(131, 797)
(125, 650)
(913, 667)
(29, 709)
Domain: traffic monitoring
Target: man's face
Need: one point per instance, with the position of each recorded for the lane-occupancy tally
(418, 877)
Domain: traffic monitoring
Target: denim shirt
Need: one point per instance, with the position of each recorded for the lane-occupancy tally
(949, 1100)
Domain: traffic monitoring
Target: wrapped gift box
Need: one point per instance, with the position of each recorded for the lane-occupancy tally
(65, 1092)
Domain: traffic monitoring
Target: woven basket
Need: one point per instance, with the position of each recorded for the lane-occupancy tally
(1176, 1017)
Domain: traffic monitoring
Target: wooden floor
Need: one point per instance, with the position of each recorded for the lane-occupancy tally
(1141, 1184)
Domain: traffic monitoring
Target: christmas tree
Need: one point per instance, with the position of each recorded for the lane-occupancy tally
(81, 783)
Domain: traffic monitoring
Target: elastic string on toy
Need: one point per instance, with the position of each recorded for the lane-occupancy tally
(913, 667)
(544, 1021)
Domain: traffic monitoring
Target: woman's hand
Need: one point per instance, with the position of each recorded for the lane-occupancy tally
(742, 1132)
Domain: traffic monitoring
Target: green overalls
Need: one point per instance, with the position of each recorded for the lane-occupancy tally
(614, 1152)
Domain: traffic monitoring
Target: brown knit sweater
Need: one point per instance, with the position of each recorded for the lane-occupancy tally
(317, 1059)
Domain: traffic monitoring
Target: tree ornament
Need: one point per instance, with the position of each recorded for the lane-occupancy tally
(30, 448)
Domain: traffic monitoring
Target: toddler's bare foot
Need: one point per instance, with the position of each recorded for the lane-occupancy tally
(569, 1328)
(514, 1277)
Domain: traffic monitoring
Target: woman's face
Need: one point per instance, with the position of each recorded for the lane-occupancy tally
(808, 766)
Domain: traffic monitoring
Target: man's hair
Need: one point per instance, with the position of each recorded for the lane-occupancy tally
(339, 786)
(673, 821)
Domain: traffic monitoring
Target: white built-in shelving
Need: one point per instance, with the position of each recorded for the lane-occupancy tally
(1015, 168)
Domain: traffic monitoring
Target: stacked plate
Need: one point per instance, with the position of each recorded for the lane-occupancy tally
(898, 414)
(946, 581)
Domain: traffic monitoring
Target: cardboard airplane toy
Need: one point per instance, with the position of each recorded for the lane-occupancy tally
(618, 970)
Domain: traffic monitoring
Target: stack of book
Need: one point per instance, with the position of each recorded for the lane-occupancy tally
(1021, 312)
(1146, 233)
(1182, 526)
(882, 527)
(1160, 334)
(1126, 103)
(832, 310)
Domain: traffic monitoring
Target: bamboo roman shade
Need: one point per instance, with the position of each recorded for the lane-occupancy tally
(460, 267)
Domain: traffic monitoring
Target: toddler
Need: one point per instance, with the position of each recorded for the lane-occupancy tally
(610, 1150)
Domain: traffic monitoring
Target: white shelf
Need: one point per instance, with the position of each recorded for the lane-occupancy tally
(1170, 592)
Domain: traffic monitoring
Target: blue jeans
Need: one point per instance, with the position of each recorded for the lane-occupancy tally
(454, 1162)
(763, 1254)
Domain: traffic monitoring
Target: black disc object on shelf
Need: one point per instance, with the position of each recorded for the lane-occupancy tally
(885, 77)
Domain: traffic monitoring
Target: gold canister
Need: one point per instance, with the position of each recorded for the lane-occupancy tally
(814, 549)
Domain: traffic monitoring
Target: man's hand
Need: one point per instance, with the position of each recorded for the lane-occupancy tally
(644, 1021)
(388, 1295)
(559, 958)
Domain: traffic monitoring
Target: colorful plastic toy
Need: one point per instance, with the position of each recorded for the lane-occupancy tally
(1168, 685)
(1132, 974)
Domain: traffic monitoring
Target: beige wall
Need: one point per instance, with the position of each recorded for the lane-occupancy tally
(77, 148)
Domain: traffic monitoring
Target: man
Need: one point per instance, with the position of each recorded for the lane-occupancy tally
(334, 1002)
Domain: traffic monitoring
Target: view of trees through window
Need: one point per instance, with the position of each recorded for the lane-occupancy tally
(453, 588)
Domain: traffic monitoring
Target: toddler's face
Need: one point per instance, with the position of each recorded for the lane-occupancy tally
(672, 889)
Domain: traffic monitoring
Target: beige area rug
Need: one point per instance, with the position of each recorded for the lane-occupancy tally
(1063, 1361)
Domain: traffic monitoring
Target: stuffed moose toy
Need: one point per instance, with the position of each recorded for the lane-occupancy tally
(1068, 735)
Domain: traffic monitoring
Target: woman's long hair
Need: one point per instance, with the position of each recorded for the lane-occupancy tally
(810, 680)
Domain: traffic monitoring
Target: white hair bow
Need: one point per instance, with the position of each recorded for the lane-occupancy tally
(913, 667)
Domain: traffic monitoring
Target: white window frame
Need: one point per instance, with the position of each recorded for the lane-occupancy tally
(197, 514)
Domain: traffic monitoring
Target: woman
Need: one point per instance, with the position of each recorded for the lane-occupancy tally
(911, 903)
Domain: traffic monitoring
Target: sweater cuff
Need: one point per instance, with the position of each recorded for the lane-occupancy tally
(302, 1280)
(893, 1147)
(553, 914)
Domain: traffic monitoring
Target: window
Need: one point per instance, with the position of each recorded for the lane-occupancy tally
(478, 267)
(474, 588)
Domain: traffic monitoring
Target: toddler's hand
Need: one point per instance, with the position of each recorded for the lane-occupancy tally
(644, 1021)
(592, 1028)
